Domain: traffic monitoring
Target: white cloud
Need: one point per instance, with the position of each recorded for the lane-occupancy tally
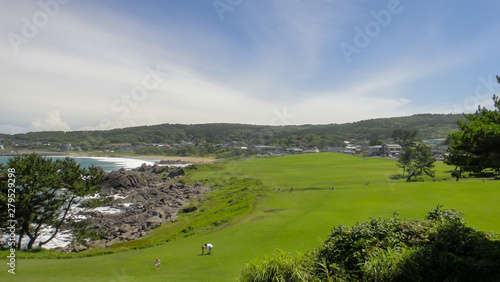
(264, 57)
(50, 122)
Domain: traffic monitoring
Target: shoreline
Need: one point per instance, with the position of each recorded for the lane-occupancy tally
(194, 160)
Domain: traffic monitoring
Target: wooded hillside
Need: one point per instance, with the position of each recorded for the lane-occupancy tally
(428, 126)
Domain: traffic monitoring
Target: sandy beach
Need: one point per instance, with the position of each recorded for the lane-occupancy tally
(194, 160)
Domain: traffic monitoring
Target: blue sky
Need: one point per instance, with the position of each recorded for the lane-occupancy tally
(81, 65)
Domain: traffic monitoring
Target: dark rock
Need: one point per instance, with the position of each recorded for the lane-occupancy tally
(146, 199)
(176, 172)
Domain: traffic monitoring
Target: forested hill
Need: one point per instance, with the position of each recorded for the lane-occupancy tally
(428, 126)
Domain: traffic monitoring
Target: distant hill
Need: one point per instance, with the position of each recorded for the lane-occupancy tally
(428, 125)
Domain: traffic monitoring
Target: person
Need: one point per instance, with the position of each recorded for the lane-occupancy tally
(209, 246)
(157, 263)
(291, 189)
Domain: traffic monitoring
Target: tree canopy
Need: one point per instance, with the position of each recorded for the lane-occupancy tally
(475, 147)
(417, 161)
(45, 190)
(404, 137)
(321, 136)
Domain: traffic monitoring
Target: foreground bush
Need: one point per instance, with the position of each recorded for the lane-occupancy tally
(280, 267)
(438, 248)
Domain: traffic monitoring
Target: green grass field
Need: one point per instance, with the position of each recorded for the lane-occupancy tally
(293, 222)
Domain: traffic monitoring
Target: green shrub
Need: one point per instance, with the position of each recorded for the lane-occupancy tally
(457, 253)
(439, 248)
(279, 267)
(385, 265)
(188, 209)
(351, 247)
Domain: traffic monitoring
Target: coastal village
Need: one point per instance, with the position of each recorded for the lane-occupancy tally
(389, 149)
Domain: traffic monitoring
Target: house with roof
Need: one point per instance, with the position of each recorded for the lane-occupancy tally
(309, 151)
(264, 149)
(439, 150)
(375, 150)
(392, 149)
(351, 149)
(385, 150)
(295, 150)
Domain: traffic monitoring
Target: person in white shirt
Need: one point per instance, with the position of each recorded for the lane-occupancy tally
(209, 246)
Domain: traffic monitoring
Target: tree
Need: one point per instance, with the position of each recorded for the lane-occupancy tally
(405, 159)
(474, 148)
(405, 138)
(417, 160)
(46, 190)
(375, 141)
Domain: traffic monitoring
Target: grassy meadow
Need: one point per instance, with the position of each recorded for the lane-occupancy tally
(277, 218)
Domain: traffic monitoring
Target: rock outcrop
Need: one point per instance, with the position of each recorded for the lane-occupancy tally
(141, 199)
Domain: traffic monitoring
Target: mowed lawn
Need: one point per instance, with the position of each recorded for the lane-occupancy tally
(292, 221)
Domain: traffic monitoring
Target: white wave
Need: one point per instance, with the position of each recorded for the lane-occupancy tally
(62, 239)
(116, 197)
(175, 165)
(125, 163)
(108, 210)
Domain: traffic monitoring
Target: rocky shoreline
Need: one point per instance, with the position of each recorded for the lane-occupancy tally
(145, 197)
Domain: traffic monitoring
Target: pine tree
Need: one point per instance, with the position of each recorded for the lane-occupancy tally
(45, 191)
(476, 146)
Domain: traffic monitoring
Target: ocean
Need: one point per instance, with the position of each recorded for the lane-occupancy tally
(64, 237)
(107, 163)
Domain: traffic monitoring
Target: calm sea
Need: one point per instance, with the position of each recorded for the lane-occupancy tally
(107, 164)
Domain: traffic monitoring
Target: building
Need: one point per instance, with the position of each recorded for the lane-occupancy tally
(295, 150)
(351, 149)
(439, 150)
(375, 150)
(264, 149)
(392, 149)
(335, 149)
(315, 150)
(385, 150)
(437, 141)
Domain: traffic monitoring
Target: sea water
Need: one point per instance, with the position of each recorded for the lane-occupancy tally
(64, 237)
(107, 163)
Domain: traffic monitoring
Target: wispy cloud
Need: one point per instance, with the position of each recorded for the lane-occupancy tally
(263, 56)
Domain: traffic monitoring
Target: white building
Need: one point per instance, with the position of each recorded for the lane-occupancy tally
(392, 149)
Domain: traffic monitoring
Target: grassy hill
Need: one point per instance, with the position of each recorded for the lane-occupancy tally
(279, 219)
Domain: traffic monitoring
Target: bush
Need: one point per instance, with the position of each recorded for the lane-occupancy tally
(458, 253)
(279, 267)
(384, 265)
(188, 209)
(439, 248)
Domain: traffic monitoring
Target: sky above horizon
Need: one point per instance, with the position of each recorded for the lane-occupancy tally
(95, 65)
